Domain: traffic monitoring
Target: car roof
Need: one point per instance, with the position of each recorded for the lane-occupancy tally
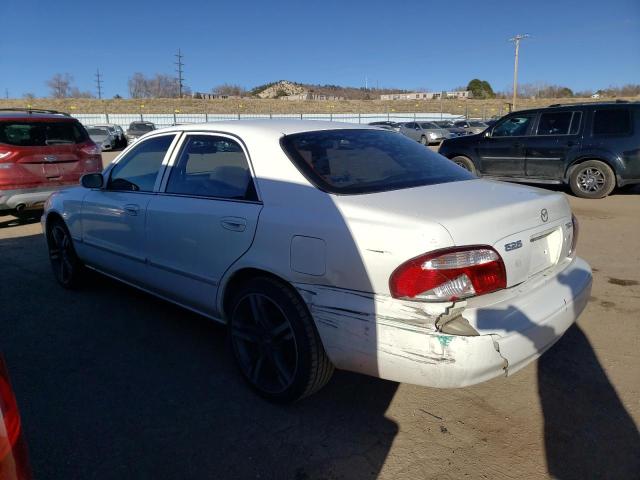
(573, 106)
(266, 126)
(18, 115)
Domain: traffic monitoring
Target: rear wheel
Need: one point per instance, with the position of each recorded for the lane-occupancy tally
(592, 179)
(465, 163)
(67, 267)
(275, 342)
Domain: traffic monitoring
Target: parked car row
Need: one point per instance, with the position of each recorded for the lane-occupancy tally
(433, 132)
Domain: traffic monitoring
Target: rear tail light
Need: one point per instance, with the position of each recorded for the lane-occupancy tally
(13, 453)
(449, 274)
(574, 236)
(91, 149)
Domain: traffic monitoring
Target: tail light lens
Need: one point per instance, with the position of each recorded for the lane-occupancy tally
(91, 149)
(13, 453)
(574, 236)
(449, 274)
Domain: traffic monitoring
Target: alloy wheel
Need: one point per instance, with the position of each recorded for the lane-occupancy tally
(591, 180)
(264, 343)
(61, 254)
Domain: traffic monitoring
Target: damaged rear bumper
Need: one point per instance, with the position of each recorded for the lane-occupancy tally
(398, 340)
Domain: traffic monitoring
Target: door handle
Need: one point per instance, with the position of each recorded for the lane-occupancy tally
(235, 224)
(570, 143)
(131, 209)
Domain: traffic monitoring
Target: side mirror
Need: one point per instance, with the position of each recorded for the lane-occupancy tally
(92, 180)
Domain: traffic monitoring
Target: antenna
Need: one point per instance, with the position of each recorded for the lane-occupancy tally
(516, 41)
(179, 70)
(99, 83)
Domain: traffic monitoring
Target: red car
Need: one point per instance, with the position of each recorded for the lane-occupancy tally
(41, 151)
(14, 464)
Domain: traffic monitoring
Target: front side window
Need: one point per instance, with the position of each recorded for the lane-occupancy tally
(137, 172)
(354, 161)
(515, 126)
(212, 166)
(554, 123)
(614, 121)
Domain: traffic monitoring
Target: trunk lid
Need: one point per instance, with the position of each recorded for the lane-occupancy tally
(530, 228)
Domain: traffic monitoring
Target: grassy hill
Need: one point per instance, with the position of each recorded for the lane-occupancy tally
(474, 108)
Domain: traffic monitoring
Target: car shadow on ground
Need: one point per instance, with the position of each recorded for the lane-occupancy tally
(9, 221)
(588, 433)
(114, 383)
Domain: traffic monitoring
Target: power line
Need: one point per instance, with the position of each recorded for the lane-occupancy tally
(516, 41)
(179, 70)
(99, 83)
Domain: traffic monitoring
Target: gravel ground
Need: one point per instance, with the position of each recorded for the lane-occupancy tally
(113, 383)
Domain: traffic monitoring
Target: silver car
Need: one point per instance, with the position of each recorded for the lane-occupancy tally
(116, 132)
(102, 137)
(472, 126)
(426, 133)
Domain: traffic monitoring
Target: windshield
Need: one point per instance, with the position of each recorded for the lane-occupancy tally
(38, 134)
(143, 127)
(477, 124)
(428, 125)
(98, 132)
(352, 161)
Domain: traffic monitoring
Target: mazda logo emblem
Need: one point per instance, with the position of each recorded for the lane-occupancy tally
(544, 215)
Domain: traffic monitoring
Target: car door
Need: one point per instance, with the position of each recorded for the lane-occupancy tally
(412, 130)
(203, 220)
(556, 135)
(502, 150)
(114, 217)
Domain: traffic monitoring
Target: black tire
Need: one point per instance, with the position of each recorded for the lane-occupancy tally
(66, 266)
(275, 342)
(592, 179)
(424, 141)
(465, 163)
(27, 215)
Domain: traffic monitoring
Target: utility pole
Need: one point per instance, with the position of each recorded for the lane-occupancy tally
(6, 93)
(179, 71)
(516, 41)
(99, 83)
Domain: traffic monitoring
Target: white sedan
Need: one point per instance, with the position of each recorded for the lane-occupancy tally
(327, 245)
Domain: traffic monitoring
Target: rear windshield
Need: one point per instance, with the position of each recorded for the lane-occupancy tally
(143, 127)
(39, 134)
(364, 161)
(97, 131)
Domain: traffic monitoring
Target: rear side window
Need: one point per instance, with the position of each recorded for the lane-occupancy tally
(554, 123)
(614, 121)
(353, 161)
(41, 134)
(137, 171)
(211, 166)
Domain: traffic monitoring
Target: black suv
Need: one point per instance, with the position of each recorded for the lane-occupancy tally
(593, 147)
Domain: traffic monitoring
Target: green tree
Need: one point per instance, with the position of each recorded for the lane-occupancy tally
(480, 89)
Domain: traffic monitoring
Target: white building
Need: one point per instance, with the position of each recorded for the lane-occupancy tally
(426, 95)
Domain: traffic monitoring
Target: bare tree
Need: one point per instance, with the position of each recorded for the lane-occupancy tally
(60, 85)
(228, 89)
(29, 95)
(137, 86)
(158, 86)
(75, 92)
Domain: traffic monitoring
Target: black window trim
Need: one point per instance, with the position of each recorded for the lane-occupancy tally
(106, 174)
(162, 188)
(603, 108)
(573, 115)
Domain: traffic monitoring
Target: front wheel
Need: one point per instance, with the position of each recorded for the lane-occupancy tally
(424, 141)
(275, 342)
(67, 267)
(592, 179)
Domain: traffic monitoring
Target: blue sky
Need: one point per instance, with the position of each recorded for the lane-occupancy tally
(421, 44)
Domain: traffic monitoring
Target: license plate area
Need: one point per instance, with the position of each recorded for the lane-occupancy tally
(545, 250)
